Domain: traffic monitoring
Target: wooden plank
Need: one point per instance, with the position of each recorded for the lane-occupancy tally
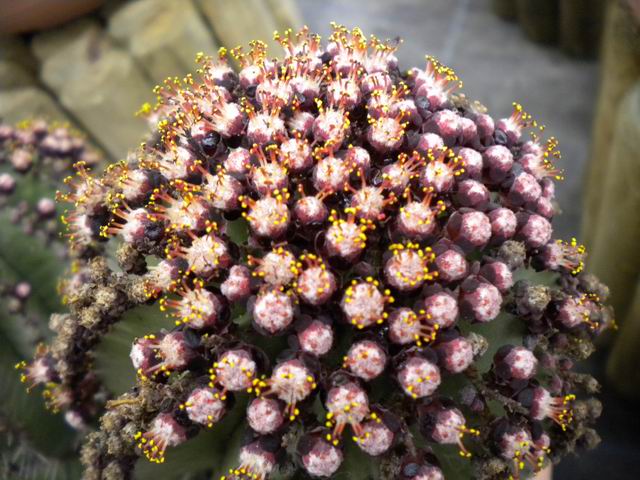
(620, 68)
(614, 256)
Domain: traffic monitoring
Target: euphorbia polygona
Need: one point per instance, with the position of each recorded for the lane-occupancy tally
(389, 219)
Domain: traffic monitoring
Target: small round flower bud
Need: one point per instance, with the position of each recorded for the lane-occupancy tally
(273, 311)
(472, 194)
(22, 290)
(316, 338)
(46, 208)
(21, 160)
(470, 230)
(376, 437)
(320, 458)
(205, 406)
(446, 123)
(301, 123)
(237, 286)
(472, 160)
(363, 304)
(485, 125)
(347, 404)
(455, 355)
(365, 359)
(315, 283)
(408, 266)
(7, 184)
(451, 264)
(265, 415)
(498, 161)
(234, 371)
(480, 301)
(515, 363)
(534, 230)
(499, 274)
(503, 224)
(441, 309)
(418, 376)
(524, 189)
(429, 142)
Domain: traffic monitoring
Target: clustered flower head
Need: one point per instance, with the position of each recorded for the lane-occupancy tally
(387, 219)
(35, 157)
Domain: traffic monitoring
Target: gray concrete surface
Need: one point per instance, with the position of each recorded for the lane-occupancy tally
(497, 64)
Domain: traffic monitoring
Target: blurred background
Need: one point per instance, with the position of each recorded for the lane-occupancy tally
(573, 64)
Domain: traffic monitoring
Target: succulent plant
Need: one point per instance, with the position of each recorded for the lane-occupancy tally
(353, 261)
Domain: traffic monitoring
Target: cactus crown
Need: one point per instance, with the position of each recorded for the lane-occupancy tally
(337, 243)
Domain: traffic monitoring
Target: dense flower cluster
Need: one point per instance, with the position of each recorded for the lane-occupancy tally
(388, 220)
(35, 157)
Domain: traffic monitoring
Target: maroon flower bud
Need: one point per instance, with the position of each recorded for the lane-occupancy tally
(320, 458)
(480, 301)
(451, 263)
(524, 189)
(498, 161)
(429, 142)
(472, 161)
(470, 229)
(503, 224)
(441, 308)
(418, 376)
(316, 338)
(499, 274)
(447, 124)
(473, 194)
(485, 124)
(365, 359)
(237, 286)
(455, 355)
(21, 160)
(534, 230)
(265, 415)
(273, 311)
(234, 371)
(514, 363)
(205, 406)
